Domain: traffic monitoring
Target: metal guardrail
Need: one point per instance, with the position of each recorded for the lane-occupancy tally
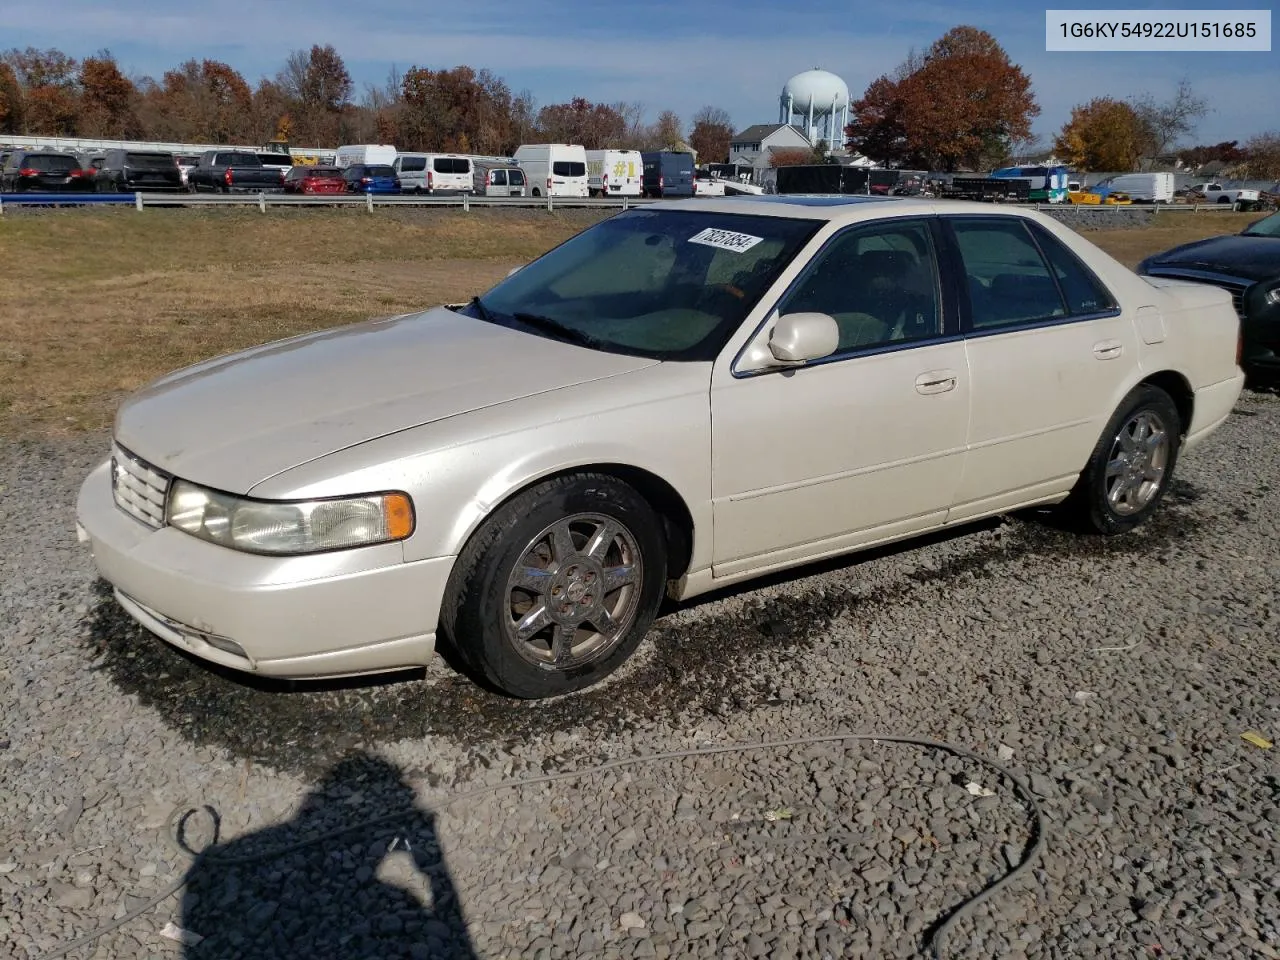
(372, 201)
(264, 200)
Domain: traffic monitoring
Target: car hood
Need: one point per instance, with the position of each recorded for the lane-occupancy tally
(1250, 258)
(234, 421)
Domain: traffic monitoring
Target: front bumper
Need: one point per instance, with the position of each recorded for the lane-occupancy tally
(333, 614)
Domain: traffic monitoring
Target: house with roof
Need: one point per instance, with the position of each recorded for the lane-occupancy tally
(753, 146)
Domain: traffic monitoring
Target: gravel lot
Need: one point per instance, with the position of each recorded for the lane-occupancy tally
(1115, 676)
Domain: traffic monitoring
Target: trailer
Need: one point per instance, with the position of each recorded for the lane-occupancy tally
(988, 189)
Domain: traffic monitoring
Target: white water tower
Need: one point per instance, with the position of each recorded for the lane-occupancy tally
(821, 99)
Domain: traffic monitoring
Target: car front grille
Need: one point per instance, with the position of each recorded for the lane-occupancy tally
(138, 487)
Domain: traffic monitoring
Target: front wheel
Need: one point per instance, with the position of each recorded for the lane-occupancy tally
(1132, 465)
(556, 589)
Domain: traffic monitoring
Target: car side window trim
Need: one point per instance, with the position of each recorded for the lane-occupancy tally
(1038, 235)
(965, 304)
(946, 301)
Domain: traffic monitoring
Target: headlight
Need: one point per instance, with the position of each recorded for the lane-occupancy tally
(288, 526)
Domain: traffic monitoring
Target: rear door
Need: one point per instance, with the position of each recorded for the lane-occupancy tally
(1049, 352)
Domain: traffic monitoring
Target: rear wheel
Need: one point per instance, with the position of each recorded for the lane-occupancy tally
(1131, 467)
(558, 587)
(537, 192)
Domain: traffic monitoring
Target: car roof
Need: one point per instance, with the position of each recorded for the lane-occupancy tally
(841, 208)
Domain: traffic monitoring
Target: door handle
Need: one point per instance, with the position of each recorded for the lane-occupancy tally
(1108, 349)
(936, 381)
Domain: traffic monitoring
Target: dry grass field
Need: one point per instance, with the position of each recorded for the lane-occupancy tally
(95, 303)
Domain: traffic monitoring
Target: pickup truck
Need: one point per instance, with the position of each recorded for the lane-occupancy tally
(1215, 193)
(228, 171)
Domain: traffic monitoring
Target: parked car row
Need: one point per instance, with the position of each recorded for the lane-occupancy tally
(535, 170)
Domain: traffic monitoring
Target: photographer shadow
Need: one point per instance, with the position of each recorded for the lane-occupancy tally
(376, 886)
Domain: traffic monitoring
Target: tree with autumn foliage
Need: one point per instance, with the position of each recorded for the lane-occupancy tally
(200, 101)
(108, 99)
(316, 89)
(1103, 134)
(46, 80)
(594, 125)
(959, 104)
(711, 135)
(1262, 156)
(459, 110)
(790, 157)
(10, 100)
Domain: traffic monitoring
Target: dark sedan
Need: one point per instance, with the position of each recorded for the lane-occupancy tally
(44, 172)
(1246, 264)
(371, 178)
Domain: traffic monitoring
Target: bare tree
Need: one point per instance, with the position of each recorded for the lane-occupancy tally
(1164, 123)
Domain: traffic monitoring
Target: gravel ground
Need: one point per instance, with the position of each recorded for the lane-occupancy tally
(1115, 676)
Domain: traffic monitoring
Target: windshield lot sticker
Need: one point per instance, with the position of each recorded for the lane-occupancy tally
(725, 240)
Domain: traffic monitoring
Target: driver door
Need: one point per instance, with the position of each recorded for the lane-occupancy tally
(863, 446)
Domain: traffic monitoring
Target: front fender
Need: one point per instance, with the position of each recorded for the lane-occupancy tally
(459, 470)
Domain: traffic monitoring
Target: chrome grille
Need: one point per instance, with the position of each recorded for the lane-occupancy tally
(138, 487)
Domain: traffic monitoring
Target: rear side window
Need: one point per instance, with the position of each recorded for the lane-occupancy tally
(412, 164)
(569, 168)
(1084, 292)
(50, 163)
(1008, 281)
(498, 178)
(150, 161)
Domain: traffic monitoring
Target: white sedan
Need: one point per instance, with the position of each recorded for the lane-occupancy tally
(684, 396)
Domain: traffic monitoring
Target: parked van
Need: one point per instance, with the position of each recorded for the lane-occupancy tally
(492, 179)
(554, 169)
(668, 173)
(373, 154)
(615, 173)
(1141, 187)
(437, 173)
(1048, 184)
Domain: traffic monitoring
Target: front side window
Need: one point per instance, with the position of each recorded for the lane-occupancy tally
(879, 283)
(670, 285)
(1008, 282)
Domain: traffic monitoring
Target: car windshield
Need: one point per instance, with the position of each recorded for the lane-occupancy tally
(276, 159)
(324, 172)
(379, 171)
(671, 285)
(1268, 227)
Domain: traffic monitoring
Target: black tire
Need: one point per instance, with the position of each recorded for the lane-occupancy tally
(1091, 505)
(480, 596)
(537, 192)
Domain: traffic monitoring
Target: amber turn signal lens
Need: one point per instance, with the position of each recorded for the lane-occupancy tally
(398, 512)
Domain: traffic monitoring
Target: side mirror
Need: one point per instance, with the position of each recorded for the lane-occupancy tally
(800, 337)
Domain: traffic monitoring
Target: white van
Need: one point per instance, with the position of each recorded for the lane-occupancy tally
(554, 169)
(492, 179)
(438, 173)
(381, 154)
(615, 173)
(1142, 187)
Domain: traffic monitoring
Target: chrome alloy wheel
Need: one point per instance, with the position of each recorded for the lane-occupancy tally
(574, 592)
(1137, 464)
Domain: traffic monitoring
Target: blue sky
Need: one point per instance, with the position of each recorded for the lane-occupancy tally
(679, 54)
